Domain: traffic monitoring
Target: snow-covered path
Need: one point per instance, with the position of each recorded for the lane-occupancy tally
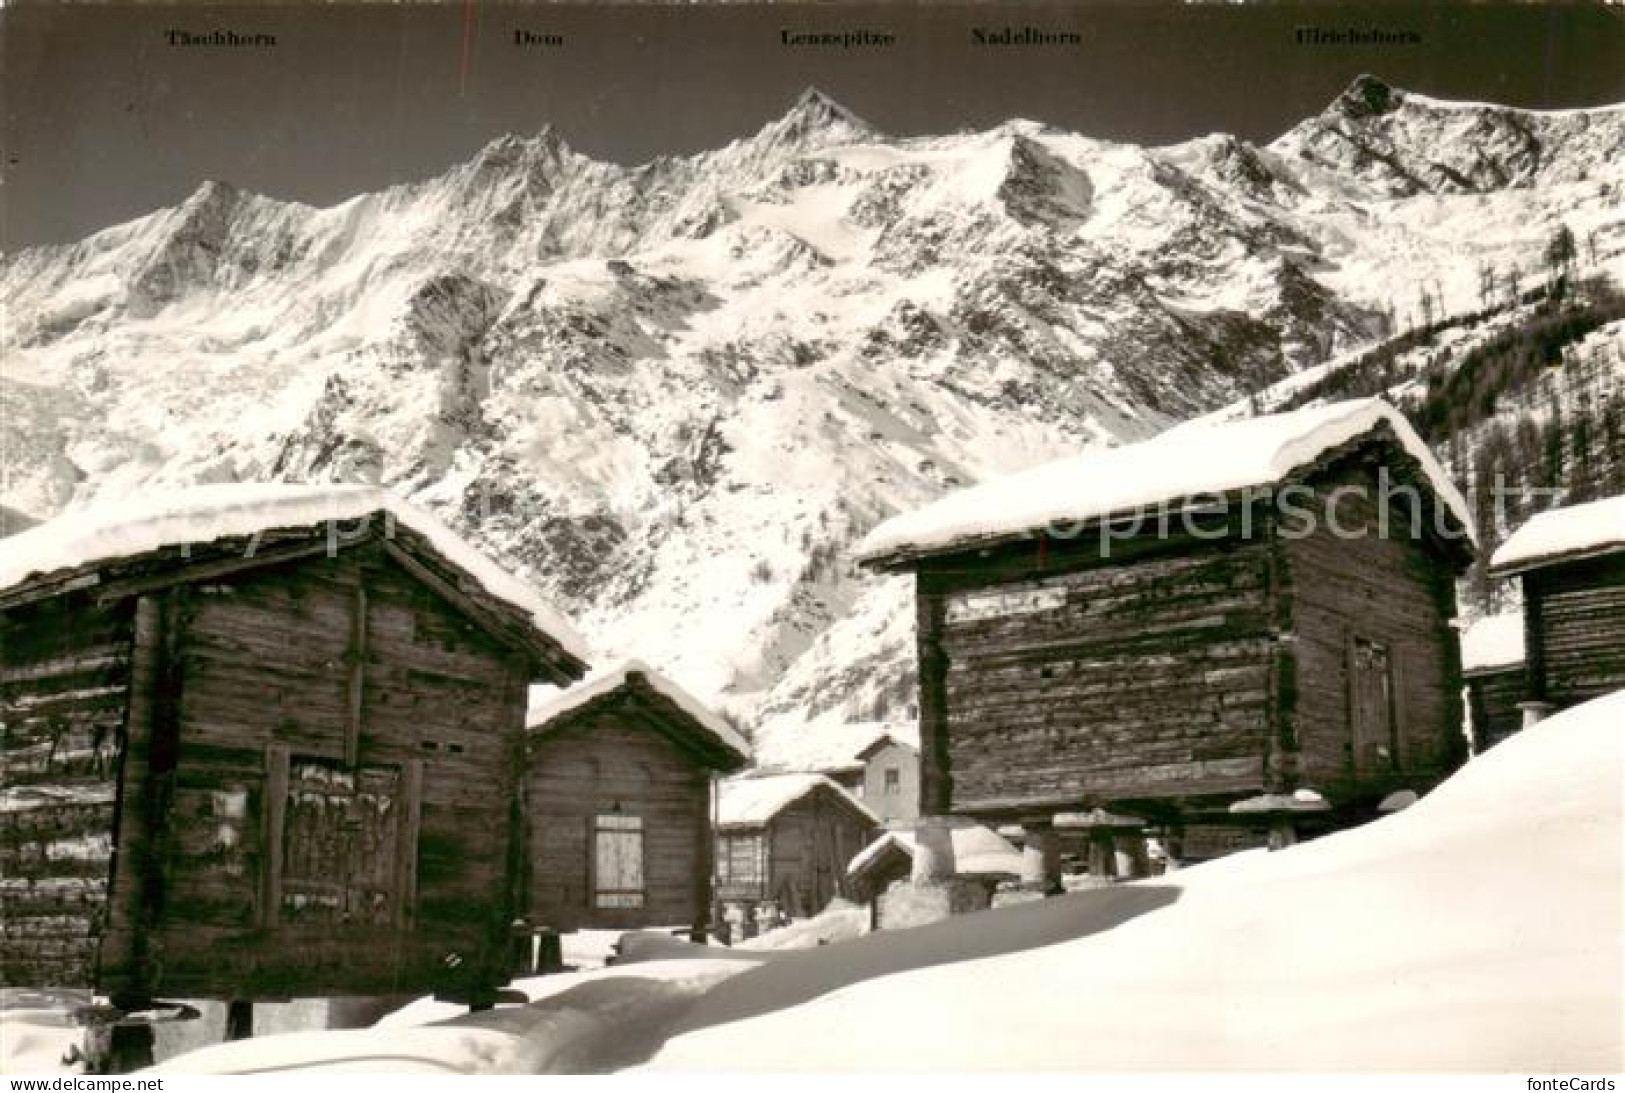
(1479, 930)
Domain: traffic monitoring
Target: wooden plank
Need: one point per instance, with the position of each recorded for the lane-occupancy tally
(208, 570)
(406, 896)
(356, 655)
(33, 593)
(510, 634)
(277, 758)
(936, 774)
(126, 964)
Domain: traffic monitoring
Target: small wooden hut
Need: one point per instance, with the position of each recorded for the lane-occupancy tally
(1571, 562)
(1170, 628)
(787, 838)
(261, 742)
(979, 853)
(618, 794)
(1492, 669)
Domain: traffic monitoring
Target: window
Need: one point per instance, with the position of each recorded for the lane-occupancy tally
(739, 859)
(617, 861)
(894, 782)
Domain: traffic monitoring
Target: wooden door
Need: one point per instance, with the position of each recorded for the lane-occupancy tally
(340, 847)
(1371, 706)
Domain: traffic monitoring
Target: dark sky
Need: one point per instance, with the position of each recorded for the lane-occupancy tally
(104, 120)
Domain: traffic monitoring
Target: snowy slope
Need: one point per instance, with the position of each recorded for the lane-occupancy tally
(1478, 930)
(673, 395)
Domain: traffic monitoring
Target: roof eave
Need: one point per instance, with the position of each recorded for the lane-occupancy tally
(1524, 565)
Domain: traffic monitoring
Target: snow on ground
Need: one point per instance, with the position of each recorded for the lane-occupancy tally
(574, 1022)
(37, 1032)
(1477, 930)
(840, 921)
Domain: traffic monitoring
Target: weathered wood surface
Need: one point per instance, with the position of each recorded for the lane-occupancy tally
(809, 844)
(1493, 699)
(275, 886)
(1390, 592)
(64, 676)
(615, 761)
(1576, 619)
(1181, 669)
(1149, 673)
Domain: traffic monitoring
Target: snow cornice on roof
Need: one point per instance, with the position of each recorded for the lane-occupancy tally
(631, 676)
(165, 528)
(753, 801)
(1493, 644)
(1186, 468)
(1560, 536)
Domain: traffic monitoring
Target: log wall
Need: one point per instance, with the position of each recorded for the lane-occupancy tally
(1576, 615)
(1051, 677)
(1493, 699)
(64, 676)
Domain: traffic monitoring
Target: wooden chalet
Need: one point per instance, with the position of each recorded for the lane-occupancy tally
(261, 742)
(787, 839)
(618, 777)
(1183, 632)
(1571, 563)
(1492, 669)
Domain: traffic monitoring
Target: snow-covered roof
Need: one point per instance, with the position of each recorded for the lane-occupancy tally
(831, 747)
(752, 802)
(1196, 460)
(197, 515)
(1562, 535)
(978, 851)
(616, 676)
(1493, 642)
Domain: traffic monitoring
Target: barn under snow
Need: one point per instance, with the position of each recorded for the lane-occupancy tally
(1571, 562)
(787, 838)
(262, 742)
(1174, 636)
(618, 777)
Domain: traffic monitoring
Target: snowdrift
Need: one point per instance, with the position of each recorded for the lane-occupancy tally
(1479, 930)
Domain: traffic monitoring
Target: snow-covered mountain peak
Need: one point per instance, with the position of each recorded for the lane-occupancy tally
(1397, 143)
(814, 122)
(1368, 96)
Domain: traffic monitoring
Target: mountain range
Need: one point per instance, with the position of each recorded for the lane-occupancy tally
(673, 394)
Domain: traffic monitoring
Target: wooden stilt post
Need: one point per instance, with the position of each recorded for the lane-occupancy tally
(1280, 813)
(933, 850)
(1040, 854)
(1102, 829)
(1102, 853)
(129, 1048)
(239, 1020)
